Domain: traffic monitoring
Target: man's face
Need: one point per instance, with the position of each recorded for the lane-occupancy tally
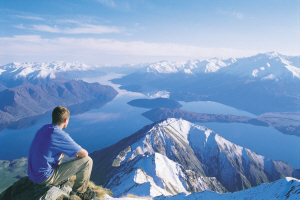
(66, 123)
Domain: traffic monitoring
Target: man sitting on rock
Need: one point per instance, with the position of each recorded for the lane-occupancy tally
(47, 149)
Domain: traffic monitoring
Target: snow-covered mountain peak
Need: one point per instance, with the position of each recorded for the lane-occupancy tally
(264, 66)
(189, 67)
(33, 70)
(165, 67)
(174, 155)
(272, 54)
(183, 133)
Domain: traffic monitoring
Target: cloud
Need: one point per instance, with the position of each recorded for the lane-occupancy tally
(82, 29)
(95, 29)
(34, 45)
(72, 21)
(235, 14)
(46, 28)
(20, 26)
(28, 17)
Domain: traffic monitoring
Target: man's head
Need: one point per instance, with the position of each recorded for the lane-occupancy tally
(60, 116)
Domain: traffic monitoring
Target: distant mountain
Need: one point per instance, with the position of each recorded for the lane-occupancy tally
(189, 67)
(29, 100)
(266, 82)
(123, 69)
(75, 109)
(285, 188)
(288, 123)
(159, 114)
(175, 156)
(264, 66)
(15, 74)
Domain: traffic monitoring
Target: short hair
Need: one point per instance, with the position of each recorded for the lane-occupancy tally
(59, 114)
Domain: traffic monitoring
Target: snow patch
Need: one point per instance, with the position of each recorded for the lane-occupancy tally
(2, 70)
(188, 71)
(254, 73)
(269, 77)
(272, 54)
(160, 94)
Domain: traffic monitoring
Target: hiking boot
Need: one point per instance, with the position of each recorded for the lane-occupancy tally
(89, 194)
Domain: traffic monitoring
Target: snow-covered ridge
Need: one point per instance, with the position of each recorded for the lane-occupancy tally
(31, 70)
(189, 67)
(285, 188)
(198, 137)
(174, 156)
(258, 66)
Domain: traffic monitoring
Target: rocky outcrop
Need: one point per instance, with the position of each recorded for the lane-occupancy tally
(25, 189)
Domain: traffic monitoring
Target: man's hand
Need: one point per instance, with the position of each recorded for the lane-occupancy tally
(82, 153)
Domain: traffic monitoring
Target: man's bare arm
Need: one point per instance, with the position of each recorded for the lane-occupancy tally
(82, 153)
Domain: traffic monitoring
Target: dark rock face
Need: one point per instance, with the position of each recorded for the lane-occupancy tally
(25, 189)
(29, 100)
(155, 103)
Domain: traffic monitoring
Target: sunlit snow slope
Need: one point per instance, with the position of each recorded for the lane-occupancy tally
(286, 188)
(175, 156)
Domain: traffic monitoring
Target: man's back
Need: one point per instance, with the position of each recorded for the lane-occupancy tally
(48, 144)
(45, 152)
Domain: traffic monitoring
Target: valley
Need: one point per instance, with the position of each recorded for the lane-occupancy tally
(163, 162)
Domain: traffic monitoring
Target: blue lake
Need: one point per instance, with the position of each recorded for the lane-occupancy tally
(100, 128)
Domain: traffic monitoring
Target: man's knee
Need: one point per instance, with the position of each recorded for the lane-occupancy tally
(89, 160)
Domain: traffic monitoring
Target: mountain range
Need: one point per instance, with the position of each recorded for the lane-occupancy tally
(175, 156)
(29, 100)
(30, 89)
(15, 74)
(172, 158)
(176, 159)
(262, 83)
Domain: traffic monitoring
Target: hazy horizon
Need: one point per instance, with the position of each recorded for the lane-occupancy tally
(119, 32)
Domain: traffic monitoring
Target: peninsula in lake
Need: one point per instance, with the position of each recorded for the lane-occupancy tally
(155, 103)
(287, 122)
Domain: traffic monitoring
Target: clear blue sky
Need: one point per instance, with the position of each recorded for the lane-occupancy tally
(133, 31)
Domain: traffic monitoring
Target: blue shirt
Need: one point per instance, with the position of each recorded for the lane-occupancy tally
(48, 144)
